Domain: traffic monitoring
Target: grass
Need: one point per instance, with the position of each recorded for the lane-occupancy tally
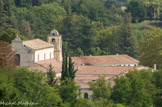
(147, 24)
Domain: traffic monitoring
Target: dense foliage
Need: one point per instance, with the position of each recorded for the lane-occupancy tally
(135, 89)
(7, 56)
(92, 27)
(151, 48)
(89, 27)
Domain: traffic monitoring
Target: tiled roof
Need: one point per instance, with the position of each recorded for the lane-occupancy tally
(110, 59)
(42, 65)
(92, 73)
(102, 70)
(88, 78)
(37, 44)
(38, 67)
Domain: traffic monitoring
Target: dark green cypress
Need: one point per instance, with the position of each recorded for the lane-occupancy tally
(71, 69)
(68, 70)
(63, 69)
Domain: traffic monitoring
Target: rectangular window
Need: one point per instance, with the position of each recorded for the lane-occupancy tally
(38, 57)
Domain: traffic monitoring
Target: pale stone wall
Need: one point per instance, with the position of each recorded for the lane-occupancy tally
(58, 74)
(43, 54)
(26, 54)
(58, 45)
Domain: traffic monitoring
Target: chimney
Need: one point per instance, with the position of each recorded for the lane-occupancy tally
(154, 67)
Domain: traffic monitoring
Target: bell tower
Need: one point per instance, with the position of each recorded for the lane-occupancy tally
(56, 39)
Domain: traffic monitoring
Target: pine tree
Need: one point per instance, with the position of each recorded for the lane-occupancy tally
(3, 17)
(51, 75)
(26, 29)
(127, 40)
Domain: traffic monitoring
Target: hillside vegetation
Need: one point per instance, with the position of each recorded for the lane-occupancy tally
(89, 27)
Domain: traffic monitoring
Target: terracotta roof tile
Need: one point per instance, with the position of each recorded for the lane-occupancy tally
(91, 73)
(110, 59)
(42, 65)
(102, 70)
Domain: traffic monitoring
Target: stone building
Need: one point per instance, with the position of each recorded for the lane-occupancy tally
(32, 51)
(111, 66)
(38, 54)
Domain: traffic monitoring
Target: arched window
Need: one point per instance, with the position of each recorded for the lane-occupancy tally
(86, 95)
(18, 57)
(53, 40)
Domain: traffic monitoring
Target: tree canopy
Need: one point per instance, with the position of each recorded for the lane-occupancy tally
(151, 49)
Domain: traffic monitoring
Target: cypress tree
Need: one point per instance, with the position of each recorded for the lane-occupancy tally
(72, 71)
(63, 69)
(68, 70)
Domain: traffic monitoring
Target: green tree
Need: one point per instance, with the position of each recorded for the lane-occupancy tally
(127, 41)
(69, 91)
(158, 83)
(7, 56)
(110, 3)
(79, 52)
(109, 40)
(20, 84)
(151, 11)
(96, 51)
(150, 50)
(33, 88)
(71, 70)
(68, 70)
(137, 10)
(3, 17)
(79, 31)
(9, 35)
(25, 29)
(132, 84)
(80, 102)
(94, 10)
(8, 92)
(101, 91)
(28, 3)
(51, 76)
(39, 19)
(161, 16)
